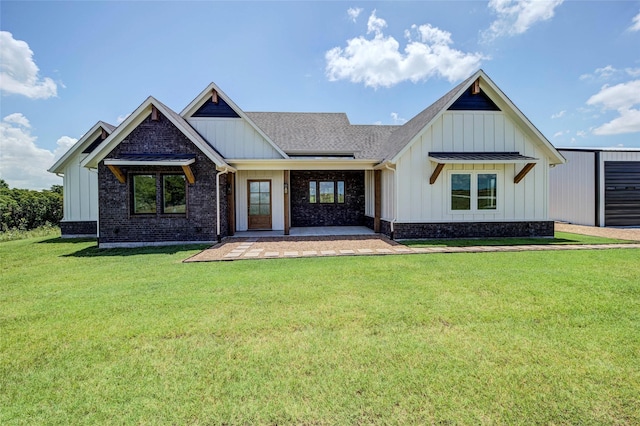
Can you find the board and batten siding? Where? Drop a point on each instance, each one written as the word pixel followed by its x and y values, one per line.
pixel 80 197
pixel 388 195
pixel 478 131
pixel 277 197
pixel 572 191
pixel 369 193
pixel 233 137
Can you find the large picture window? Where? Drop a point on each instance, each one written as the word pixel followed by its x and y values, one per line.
pixel 474 191
pixel 326 192
pixel 144 194
pixel 145 199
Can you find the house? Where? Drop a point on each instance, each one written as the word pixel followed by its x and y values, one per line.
pixel 597 187
pixel 470 165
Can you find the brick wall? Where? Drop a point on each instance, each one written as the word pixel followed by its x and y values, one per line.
pixel 118 225
pixel 78 228
pixel 349 213
pixel 468 229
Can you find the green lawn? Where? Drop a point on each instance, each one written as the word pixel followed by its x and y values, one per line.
pixel 137 337
pixel 560 238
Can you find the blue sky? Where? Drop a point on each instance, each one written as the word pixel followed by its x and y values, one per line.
pixel 572 67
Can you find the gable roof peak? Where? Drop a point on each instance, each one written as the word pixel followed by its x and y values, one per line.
pixel 137 117
pixel 83 143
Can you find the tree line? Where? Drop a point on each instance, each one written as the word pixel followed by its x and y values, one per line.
pixel 26 209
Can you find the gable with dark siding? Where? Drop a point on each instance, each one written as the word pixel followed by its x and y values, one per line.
pixel 470 102
pixel 218 110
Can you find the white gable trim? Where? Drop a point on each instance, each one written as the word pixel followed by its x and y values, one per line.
pixel 135 119
pixel 206 93
pixel 86 140
pixel 485 83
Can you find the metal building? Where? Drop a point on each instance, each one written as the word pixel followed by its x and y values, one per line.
pixel 597 187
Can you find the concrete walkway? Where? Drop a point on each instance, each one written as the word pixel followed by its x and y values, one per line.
pixel 278 247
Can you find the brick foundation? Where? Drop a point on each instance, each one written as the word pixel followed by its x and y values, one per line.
pixel 468 229
pixel 74 229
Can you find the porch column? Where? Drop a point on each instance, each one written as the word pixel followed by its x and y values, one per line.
pixel 377 190
pixel 287 189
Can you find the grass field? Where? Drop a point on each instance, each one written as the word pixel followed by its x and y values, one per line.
pixel 560 238
pixel 93 336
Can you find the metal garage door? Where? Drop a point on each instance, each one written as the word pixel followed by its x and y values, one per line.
pixel 622 193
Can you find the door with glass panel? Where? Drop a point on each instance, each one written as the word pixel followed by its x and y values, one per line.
pixel 259 204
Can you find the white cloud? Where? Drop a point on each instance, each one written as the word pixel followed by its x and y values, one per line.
pixel 632 72
pixel 621 98
pixel 397 119
pixel 62 146
pixel 379 62
pixel 375 24
pixel 354 12
pixel 516 17
pixel 22 163
pixel 18 119
pixel 559 114
pixel 581 133
pixel 635 26
pixel 18 71
pixel 558 134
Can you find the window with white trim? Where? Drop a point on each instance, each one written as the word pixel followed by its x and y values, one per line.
pixel 473 191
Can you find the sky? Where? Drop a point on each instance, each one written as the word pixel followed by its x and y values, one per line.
pixel 572 67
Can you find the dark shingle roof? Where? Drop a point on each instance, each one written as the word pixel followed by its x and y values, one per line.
pixel 321 133
pixel 332 133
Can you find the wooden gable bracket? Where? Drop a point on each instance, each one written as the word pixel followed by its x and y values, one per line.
pixel 117 173
pixel 436 173
pixel 103 135
pixel 526 169
pixel 189 174
pixel 475 88
pixel 154 113
pixel 214 97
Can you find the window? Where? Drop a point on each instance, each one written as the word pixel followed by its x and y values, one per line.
pixel 487 191
pixel 328 192
pixel 145 199
pixel 144 194
pixel 174 194
pixel 460 192
pixel 340 191
pixel 474 191
pixel 312 192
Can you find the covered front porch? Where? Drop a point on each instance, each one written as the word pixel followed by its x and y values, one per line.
pixel 310 198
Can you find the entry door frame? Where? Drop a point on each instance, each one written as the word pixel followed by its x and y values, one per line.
pixel 264 222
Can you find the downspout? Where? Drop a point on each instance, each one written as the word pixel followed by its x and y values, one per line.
pixel 223 172
pixel 393 221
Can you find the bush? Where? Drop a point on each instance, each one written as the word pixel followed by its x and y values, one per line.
pixel 25 209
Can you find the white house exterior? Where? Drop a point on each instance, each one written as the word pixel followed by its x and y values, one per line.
pixel 80 196
pixel 597 187
pixel 469 165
